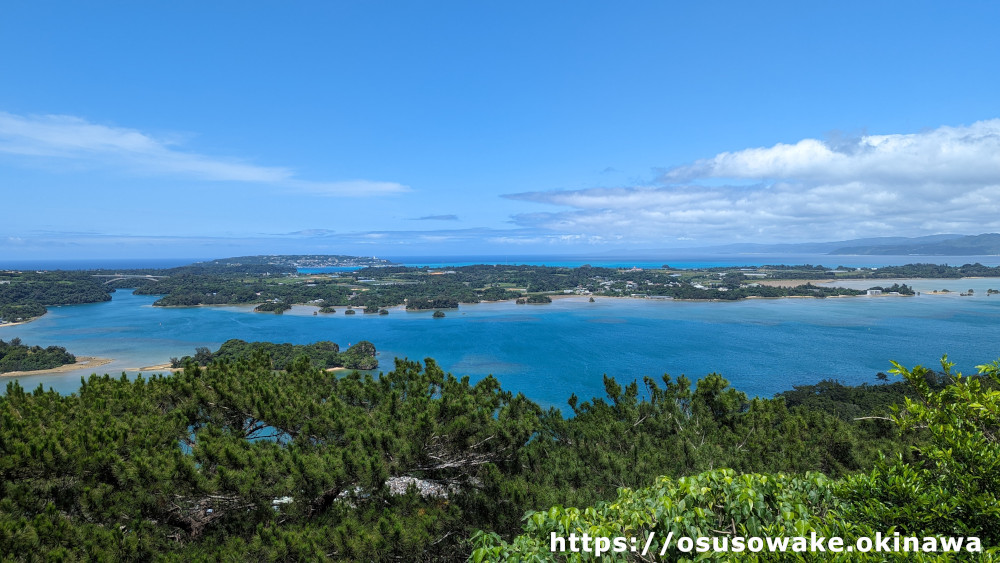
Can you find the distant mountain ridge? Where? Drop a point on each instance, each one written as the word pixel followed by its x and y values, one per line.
pixel 832 247
pixel 987 244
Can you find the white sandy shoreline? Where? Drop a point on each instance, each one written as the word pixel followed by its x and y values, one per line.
pixel 82 362
pixel 22 322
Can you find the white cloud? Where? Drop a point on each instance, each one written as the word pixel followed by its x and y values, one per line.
pixel 942 180
pixel 72 138
pixel 948 155
pixel 547 239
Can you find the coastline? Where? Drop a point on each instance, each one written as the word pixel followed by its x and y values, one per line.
pixel 303 309
pixel 23 322
pixel 167 368
pixel 159 367
pixel 81 363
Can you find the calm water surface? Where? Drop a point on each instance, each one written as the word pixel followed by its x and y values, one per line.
pixel 550 351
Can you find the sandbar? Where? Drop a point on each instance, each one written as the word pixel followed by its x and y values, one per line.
pixel 81 363
pixel 19 322
pixel 160 367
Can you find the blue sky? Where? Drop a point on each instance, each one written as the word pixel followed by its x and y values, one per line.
pixel 208 129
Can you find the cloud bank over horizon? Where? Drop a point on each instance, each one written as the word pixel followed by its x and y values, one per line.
pixel 71 138
pixel 941 180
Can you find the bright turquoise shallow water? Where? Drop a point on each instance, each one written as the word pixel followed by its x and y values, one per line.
pixel 550 351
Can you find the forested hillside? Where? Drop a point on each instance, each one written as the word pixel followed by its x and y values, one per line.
pixel 25 295
pixel 950 490
pixel 237 461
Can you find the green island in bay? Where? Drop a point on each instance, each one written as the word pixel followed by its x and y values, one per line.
pixel 16 357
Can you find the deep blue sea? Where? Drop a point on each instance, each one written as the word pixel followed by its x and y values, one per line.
pixel 762 346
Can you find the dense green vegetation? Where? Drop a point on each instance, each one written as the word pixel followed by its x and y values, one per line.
pixel 432 303
pixel 322 354
pixel 273 283
pixel 901 289
pixel 15 313
pixel 951 489
pixel 375 288
pixel 15 356
pixel 272 307
pixel 235 460
pixel 262 265
pixel 190 289
pixel 929 271
pixel 24 295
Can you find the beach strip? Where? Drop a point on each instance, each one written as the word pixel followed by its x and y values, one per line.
pixel 82 362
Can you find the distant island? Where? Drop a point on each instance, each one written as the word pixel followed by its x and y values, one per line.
pixel 987 244
pixel 978 245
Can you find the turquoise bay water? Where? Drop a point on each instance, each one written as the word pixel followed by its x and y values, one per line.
pixel 762 346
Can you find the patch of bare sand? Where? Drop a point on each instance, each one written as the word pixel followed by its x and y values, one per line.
pixel 81 363
pixel 19 322
pixel 160 367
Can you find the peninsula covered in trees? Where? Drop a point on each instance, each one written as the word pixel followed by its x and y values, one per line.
pixel 986 243
pixel 15 356
pixel 25 295
pixel 323 355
